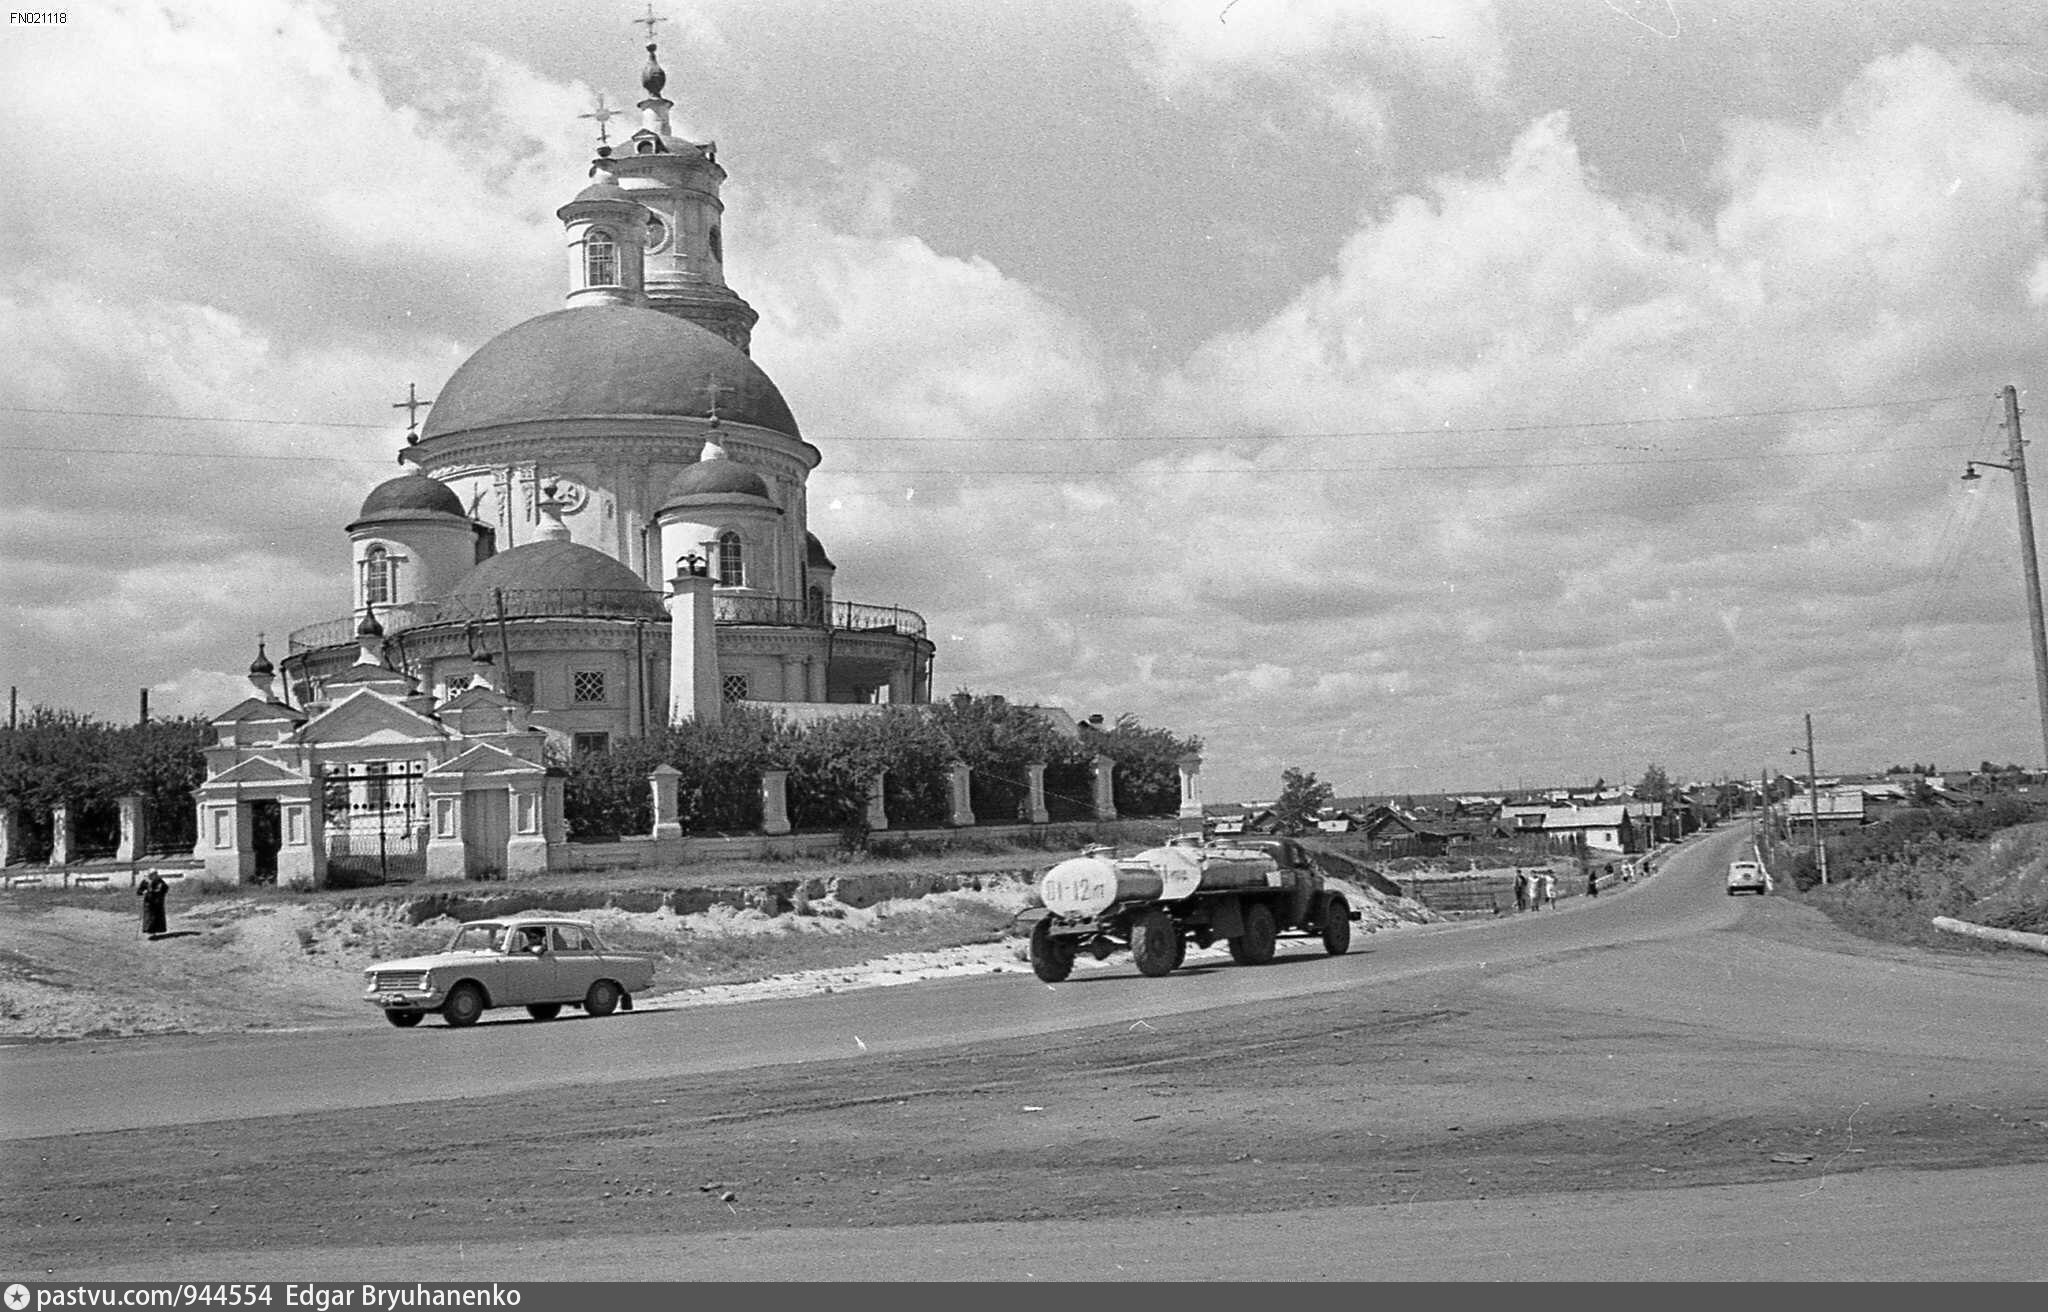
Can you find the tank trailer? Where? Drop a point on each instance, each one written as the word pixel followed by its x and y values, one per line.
pixel 1246 893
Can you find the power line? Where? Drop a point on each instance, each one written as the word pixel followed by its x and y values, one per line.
pixel 185 419
pixel 1440 430
pixel 1069 472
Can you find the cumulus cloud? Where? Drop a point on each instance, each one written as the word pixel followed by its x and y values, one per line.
pixel 1338 54
pixel 1882 253
pixel 1528 462
pixel 206 326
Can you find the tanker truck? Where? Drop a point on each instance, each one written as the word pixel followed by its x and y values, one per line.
pixel 1246 892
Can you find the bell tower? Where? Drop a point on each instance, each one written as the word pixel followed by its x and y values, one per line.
pixel 678 181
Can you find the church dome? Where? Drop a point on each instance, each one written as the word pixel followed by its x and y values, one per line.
pixel 606 362
pixel 814 553
pixel 410 496
pixel 567 568
pixel 716 478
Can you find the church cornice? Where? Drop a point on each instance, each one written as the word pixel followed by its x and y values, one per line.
pixel 600 439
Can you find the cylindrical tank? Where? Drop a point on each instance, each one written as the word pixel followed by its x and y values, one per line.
pixel 1086 886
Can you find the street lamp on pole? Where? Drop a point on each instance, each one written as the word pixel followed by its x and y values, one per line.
pixel 2015 463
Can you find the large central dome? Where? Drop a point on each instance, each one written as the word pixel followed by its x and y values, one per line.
pixel 606 362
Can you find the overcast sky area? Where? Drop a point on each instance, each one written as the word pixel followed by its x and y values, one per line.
pixel 1431 395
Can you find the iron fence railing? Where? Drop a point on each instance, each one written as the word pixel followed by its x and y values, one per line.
pixel 609 603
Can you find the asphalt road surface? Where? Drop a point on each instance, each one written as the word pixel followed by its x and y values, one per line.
pixel 1662 1083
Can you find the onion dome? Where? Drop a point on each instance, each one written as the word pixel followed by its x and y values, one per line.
pixel 410 496
pixel 606 362
pixel 554 573
pixel 814 553
pixel 261 668
pixel 369 627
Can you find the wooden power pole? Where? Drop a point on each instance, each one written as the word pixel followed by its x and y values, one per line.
pixel 2030 562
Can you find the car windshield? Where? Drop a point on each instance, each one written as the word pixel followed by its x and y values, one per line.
pixel 480 936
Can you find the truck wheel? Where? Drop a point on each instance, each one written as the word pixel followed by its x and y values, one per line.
pixel 1180 950
pixel 1254 947
pixel 1155 943
pixel 1336 926
pixel 1052 959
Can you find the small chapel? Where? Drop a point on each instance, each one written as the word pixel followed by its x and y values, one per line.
pixel 602 529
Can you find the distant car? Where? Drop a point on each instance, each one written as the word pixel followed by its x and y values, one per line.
pixel 1748 877
pixel 541 963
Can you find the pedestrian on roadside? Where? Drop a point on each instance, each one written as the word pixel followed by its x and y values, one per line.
pixel 153 889
pixel 1592 883
pixel 1521 890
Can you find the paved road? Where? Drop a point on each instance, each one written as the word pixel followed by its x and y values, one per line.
pixel 140 1082
pixel 1760 978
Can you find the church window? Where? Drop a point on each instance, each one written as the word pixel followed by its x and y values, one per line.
pixel 735 687
pixel 380 577
pixel 459 685
pixel 583 744
pixel 814 610
pixel 586 686
pixel 600 259
pixel 522 687
pixel 731 560
pixel 717 246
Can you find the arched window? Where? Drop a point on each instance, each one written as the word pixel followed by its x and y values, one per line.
pixel 380 577
pixel 732 570
pixel 815 611
pixel 600 259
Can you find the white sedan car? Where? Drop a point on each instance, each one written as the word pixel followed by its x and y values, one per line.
pixel 1748 877
pixel 541 963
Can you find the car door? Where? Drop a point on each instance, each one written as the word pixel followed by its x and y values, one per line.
pixel 524 974
pixel 577 962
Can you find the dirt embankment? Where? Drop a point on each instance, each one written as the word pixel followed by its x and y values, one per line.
pixel 81 968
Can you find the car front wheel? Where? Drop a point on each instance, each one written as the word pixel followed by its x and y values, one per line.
pixel 465 1004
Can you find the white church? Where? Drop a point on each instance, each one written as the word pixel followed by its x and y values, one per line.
pixel 603 531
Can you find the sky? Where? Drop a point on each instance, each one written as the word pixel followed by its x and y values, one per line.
pixel 1431 395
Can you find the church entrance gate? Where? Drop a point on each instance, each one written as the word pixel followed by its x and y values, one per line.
pixel 486 831
pixel 266 836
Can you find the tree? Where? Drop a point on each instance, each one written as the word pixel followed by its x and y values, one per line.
pixel 1655 785
pixel 1301 797
pixel 1147 764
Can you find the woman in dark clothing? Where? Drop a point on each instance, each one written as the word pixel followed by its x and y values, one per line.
pixel 153 890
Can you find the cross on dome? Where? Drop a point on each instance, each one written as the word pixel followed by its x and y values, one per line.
pixel 602 114
pixel 714 389
pixel 412 405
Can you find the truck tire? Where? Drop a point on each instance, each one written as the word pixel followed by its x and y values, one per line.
pixel 1254 947
pixel 1336 926
pixel 1052 959
pixel 1155 943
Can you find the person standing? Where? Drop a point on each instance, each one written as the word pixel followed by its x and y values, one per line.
pixel 152 889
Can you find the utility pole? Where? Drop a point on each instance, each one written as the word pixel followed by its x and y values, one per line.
pixel 2016 465
pixel 1813 795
